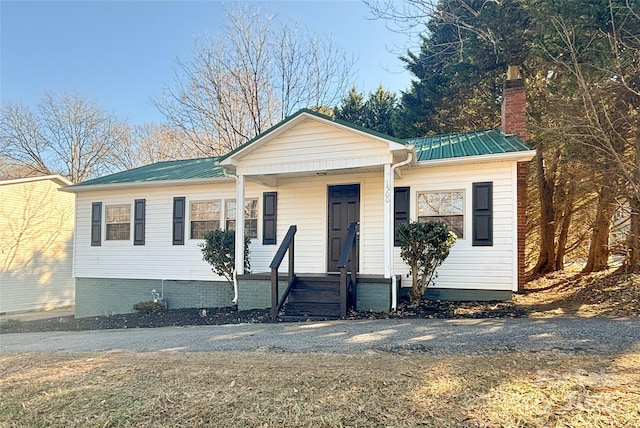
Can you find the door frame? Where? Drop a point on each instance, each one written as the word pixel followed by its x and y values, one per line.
pixel 327 245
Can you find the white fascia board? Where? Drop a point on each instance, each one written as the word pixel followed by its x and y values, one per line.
pixel 145 184
pixel 511 156
pixel 55 177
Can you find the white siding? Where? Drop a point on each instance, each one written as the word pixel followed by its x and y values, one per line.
pixel 469 267
pixel 36 229
pixel 303 201
pixel 315 146
pixel 158 258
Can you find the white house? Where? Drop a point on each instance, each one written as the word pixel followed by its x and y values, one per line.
pixel 36 244
pixel 140 230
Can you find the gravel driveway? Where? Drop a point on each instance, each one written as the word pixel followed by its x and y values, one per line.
pixel 486 336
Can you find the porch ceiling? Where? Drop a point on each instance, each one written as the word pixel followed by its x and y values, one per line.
pixel 271 180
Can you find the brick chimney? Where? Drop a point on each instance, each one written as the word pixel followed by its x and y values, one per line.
pixel 514 121
pixel 514 104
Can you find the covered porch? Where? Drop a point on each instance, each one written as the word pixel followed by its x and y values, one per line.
pixel 335 183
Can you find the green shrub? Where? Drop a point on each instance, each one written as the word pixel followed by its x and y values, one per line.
pixel 148 307
pixel 11 325
pixel 218 249
pixel 424 246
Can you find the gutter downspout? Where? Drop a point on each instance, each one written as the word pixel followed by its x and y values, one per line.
pixel 235 279
pixel 394 288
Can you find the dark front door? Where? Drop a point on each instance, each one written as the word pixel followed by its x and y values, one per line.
pixel 344 208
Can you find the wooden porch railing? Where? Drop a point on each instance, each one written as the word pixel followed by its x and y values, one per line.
pixel 287 245
pixel 347 263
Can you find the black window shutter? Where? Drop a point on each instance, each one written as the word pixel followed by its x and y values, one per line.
pixel 401 210
pixel 178 220
pixel 269 215
pixel 138 222
pixel 482 214
pixel 96 224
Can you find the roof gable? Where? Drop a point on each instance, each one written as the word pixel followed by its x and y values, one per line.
pixel 311 142
pixel 296 119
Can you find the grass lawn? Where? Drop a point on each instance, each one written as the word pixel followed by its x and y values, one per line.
pixel 113 389
pixel 274 389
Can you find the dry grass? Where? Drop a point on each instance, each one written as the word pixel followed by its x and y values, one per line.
pixel 545 389
pixel 120 389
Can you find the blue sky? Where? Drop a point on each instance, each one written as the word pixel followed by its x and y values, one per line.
pixel 120 54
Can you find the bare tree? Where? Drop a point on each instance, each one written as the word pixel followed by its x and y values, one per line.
pixel 10 170
pixel 249 76
pixel 157 143
pixel 65 134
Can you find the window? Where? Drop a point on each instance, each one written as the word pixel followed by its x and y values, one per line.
pixel 118 221
pixel 446 207
pixel 250 217
pixel 205 216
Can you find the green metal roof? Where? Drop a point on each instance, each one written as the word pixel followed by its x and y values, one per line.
pixel 437 147
pixel 460 145
pixel 162 171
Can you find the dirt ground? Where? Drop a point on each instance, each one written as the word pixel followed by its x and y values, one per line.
pixel 559 294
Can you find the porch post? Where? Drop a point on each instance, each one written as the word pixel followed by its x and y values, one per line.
pixel 239 244
pixel 388 221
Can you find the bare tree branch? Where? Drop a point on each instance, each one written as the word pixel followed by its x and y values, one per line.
pixel 247 78
pixel 66 134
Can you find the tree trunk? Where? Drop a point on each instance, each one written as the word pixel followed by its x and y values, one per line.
pixel 632 259
pixel 567 211
pixel 598 258
pixel 546 257
pixel 415 294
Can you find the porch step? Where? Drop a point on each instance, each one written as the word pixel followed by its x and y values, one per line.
pixel 315 291
pixel 312 310
pixel 314 297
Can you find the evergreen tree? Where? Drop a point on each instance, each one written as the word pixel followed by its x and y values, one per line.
pixel 459 68
pixel 580 61
pixel 378 112
pixel 351 108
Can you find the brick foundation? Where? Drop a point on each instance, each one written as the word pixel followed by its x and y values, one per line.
pixel 108 296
